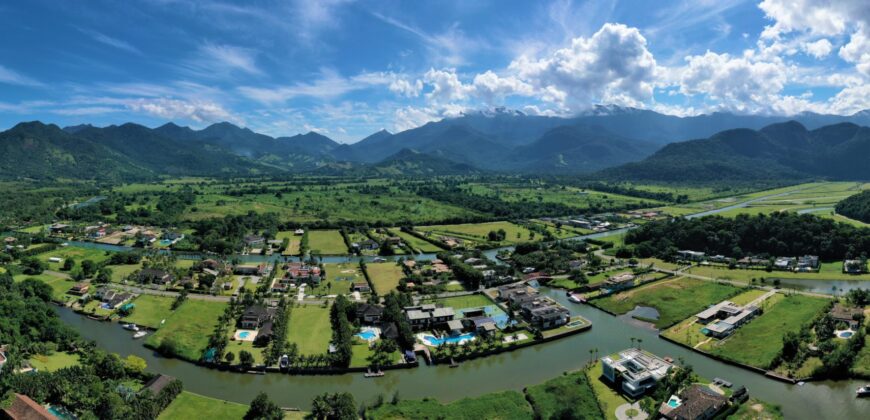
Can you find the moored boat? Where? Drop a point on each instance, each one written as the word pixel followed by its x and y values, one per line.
pixel 864 391
pixel 140 334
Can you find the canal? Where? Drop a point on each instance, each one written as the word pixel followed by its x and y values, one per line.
pixel 513 370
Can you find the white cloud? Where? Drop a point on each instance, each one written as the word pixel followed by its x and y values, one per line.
pixel 224 58
pixel 449 47
pixel 329 85
pixel 819 49
pixel 857 51
pixel 818 17
pixel 612 62
pixel 110 41
pixel 446 86
pixel 406 88
pixel 11 77
pixel 174 109
pixel 490 88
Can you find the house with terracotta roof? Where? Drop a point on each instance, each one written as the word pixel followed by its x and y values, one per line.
pixel 24 408
pixel 697 402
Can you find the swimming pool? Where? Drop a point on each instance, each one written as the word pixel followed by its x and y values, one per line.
pixel 165 242
pixel 244 334
pixel 674 402
pixel 845 334
pixel 367 335
pixel 432 341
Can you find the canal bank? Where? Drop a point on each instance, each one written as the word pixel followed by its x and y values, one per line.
pixel 512 370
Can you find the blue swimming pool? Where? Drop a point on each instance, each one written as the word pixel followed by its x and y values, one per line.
pixel 367 335
pixel 457 339
pixel 165 242
pixel 846 334
pixel 244 334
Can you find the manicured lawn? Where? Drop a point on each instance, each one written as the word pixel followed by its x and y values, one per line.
pixel 500 406
pixel 759 341
pixel 674 300
pixel 757 410
pixel 293 244
pixel 385 276
pixel 76 253
pixel 190 326
pixel 571 393
pixel 310 329
pixel 58 360
pixel 607 397
pixel 861 366
pixel 462 302
pixel 417 243
pixel 479 231
pixel 237 346
pixel 150 310
pixel 326 242
pixel 829 271
pixel 188 405
pixel 120 272
pixel 341 276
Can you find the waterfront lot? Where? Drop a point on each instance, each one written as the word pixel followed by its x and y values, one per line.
pixel 293 242
pixel 150 310
pixel 568 393
pixel 385 276
pixel 326 242
pixel 416 243
pixel 58 360
pixel 342 275
pixel 688 331
pixel 758 342
pixel 310 329
pixel 188 405
pixel 189 327
pixel 580 199
pixel 79 254
pixel 829 271
pixel 674 299
pixel 608 399
pixel 59 286
pixel 477 232
pixel 463 302
pixel 502 405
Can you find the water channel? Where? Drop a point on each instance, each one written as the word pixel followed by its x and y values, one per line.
pixel 513 370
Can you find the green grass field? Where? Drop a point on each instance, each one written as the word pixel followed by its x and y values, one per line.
pixel 688 331
pixel 326 242
pixel 754 409
pixel 571 392
pixel 478 232
pixel 828 271
pixel 190 326
pixel 59 286
pixel 759 341
pixel 310 329
pixel 385 276
pixel 120 272
pixel 294 242
pixel 188 405
pixel 607 397
pixel 150 310
pixel 580 199
pixel 461 302
pixel 506 405
pixel 674 299
pixel 58 360
pixel 416 243
pixel 77 253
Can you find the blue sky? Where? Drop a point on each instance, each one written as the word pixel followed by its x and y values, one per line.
pixel 348 68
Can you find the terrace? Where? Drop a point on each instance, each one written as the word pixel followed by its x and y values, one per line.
pixel 635 370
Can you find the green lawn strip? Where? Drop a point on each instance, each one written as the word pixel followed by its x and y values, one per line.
pixel 861 366
pixel 58 360
pixel 828 271
pixel 385 276
pixel 326 242
pixel 293 242
pixel 188 405
pixel 417 243
pixel 79 254
pixel 120 272
pixel 479 231
pixel 149 310
pixel 570 393
pixel 608 398
pixel 310 329
pixel 190 326
pixel 675 300
pixel 498 406
pixel 463 302
pixel 248 346
pixel 758 342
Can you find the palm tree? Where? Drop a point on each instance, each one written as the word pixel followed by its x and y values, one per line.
pixel 638 342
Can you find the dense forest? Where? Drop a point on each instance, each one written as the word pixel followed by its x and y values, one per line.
pixel 778 234
pixel 856 207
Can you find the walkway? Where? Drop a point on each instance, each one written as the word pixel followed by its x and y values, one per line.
pixel 622 412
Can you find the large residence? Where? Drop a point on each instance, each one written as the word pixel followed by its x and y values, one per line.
pixel 634 371
pixel 297 272
pixel 724 317
pixel 854 266
pixel 153 275
pixel 369 314
pixel 21 407
pixel 850 316
pixel 257 317
pixel 428 316
pixel 540 311
pixel 619 282
pixel 251 269
pixel 697 402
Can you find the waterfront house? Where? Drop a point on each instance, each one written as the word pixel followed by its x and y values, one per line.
pixel 156 384
pixel 153 275
pixel 851 316
pixel 360 286
pixel 255 316
pixel 254 241
pixel 455 327
pixel 428 315
pixel 784 263
pixel 545 313
pixel 619 282
pixel 854 266
pixel 24 408
pixel 249 269
pixel 80 289
pixel 368 313
pixel 634 371
pixel 58 228
pixel 807 263
pixel 724 317
pixel 697 402
pixel 689 255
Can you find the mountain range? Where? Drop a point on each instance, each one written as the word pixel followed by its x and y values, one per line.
pixel 621 143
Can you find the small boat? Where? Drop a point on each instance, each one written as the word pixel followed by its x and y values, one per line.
pixel 453 363
pixel 140 334
pixel 371 374
pixel 577 298
pixel 864 391
pixel 284 363
pixel 131 327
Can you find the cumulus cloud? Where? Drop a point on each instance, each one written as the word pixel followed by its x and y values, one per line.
pixel 174 109
pixel 490 88
pixel 737 83
pixel 857 51
pixel 614 61
pixel 406 88
pixel 446 86
pixel 819 49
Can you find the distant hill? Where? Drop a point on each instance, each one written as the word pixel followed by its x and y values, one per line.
pixel 34 150
pixel 779 151
pixel 856 207
pixel 411 163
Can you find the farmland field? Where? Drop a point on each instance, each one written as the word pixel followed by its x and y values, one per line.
pixel 674 299
pixel 310 329
pixel 326 242
pixel 385 276
pixel 77 253
pixel 758 342
pixel 189 326
pixel 418 244
pixel 477 232
pixel 581 199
